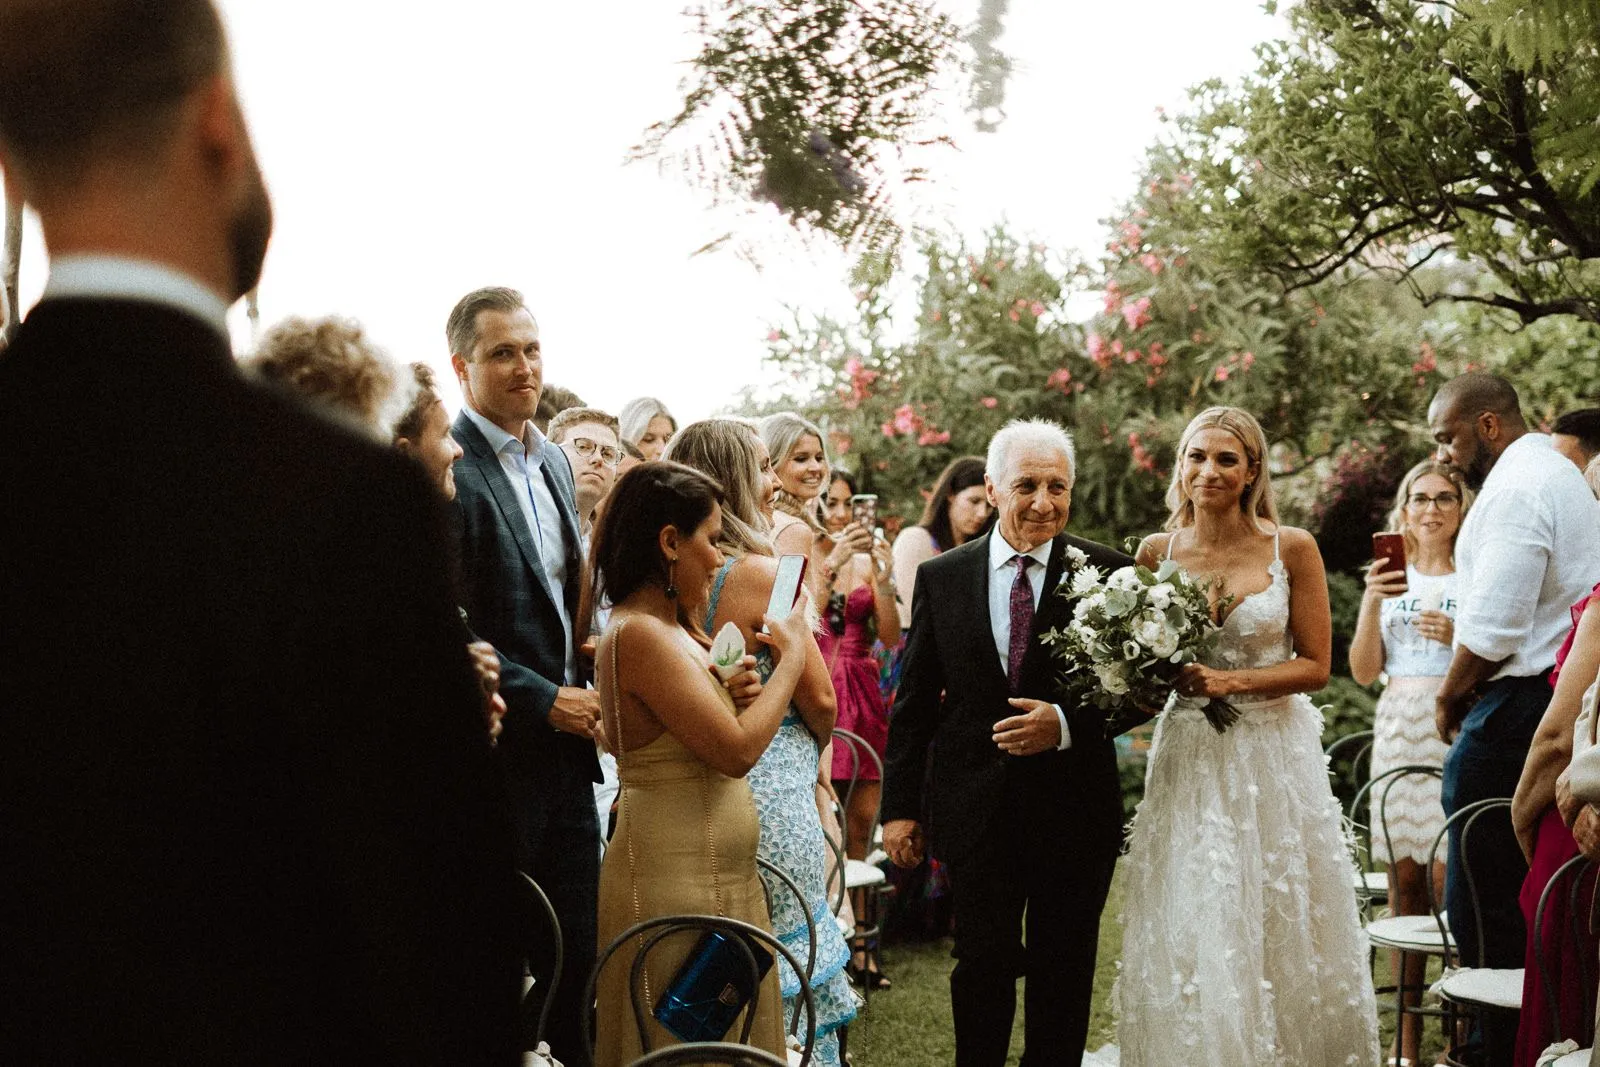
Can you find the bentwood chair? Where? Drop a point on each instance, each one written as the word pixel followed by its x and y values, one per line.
pixel 1350 763
pixel 865 877
pixel 1572 877
pixel 702 1052
pixel 537 916
pixel 811 925
pixel 1372 885
pixel 1480 988
pixel 653 932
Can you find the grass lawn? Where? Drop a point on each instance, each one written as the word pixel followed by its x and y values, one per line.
pixel 909 1026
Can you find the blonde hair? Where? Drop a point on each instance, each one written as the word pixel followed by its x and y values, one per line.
pixel 1256 503
pixel 332 364
pixel 727 449
pixel 782 433
pixel 636 415
pixel 1397 515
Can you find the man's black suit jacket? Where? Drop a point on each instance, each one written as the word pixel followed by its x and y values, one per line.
pixel 250 811
pixel 510 603
pixel 953 690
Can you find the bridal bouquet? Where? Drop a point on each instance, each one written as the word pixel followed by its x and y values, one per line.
pixel 1132 631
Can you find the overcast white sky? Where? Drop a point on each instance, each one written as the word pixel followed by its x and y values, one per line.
pixel 415 153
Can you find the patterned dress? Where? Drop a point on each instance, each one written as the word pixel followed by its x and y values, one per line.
pixel 783 783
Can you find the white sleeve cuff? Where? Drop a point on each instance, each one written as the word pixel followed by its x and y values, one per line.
pixel 1066 735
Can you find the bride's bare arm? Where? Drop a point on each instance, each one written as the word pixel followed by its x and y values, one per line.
pixel 1310 625
pixel 1151 550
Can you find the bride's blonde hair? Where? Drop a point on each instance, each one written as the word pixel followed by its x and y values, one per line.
pixel 1256 502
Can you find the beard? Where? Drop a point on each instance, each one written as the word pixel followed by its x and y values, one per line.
pixel 1476 470
pixel 249 232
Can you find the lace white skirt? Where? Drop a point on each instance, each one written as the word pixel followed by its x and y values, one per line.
pixel 1241 943
pixel 1404 734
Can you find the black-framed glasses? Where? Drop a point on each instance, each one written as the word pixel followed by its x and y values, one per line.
pixel 585 447
pixel 1443 501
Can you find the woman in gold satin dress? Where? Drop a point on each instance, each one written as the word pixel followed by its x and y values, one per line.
pixel 686 832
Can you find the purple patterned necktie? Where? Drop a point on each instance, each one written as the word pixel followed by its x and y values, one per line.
pixel 1021 622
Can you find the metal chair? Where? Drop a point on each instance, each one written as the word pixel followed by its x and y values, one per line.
pixel 865 875
pixel 1372 886
pixel 535 905
pixel 1355 752
pixel 709 1052
pixel 1573 871
pixel 1475 988
pixel 652 932
pixel 811 926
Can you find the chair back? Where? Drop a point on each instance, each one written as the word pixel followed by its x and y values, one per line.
pixel 652 932
pixel 1573 873
pixel 539 915
pixel 1382 786
pixel 805 909
pixel 1466 817
pixel 861 756
pixel 709 1052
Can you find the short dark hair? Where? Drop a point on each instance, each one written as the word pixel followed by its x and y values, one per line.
pixel 461 328
pixel 1475 392
pixel 962 473
pixel 568 417
pixel 1584 424
pixel 626 555
pixel 839 474
pixel 87 79
pixel 553 400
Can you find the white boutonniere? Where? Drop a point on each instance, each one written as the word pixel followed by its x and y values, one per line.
pixel 1076 557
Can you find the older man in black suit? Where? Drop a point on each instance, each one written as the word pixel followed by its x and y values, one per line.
pixel 521 575
pixel 250 814
pixel 1025 804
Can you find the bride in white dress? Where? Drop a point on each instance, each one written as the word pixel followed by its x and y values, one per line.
pixel 1241 943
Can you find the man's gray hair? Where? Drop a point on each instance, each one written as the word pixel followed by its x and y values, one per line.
pixel 1029 435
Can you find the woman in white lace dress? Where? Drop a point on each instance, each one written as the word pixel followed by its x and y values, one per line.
pixel 1241 943
pixel 1404 631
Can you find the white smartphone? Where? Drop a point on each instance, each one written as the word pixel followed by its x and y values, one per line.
pixel 786 586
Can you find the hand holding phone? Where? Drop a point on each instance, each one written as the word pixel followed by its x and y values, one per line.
pixel 786 586
pixel 1389 550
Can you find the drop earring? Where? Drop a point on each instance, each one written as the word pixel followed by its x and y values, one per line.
pixel 672 581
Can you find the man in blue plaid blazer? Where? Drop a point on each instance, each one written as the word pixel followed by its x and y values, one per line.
pixel 521 571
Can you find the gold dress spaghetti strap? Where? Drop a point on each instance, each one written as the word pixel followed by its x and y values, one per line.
pixel 685 843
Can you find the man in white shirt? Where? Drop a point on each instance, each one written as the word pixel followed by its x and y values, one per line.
pixel 1528 550
pixel 521 571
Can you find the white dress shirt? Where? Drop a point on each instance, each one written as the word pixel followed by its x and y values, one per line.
pixel 90 277
pixel 523 462
pixel 1002 573
pixel 1528 550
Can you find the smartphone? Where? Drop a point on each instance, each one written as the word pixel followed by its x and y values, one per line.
pixel 1390 547
pixel 786 586
pixel 864 509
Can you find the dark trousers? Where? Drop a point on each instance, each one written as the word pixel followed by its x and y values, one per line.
pixel 560 841
pixel 1059 891
pixel 1485 762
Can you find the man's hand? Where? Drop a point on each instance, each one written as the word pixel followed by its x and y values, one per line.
pixel 575 711
pixel 1586 831
pixel 902 840
pixel 1037 730
pixel 1447 715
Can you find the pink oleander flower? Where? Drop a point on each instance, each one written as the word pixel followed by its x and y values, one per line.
pixel 1222 373
pixel 1132 355
pixel 934 437
pixel 1097 345
pixel 1137 314
pixel 1248 360
pixel 934 316
pixel 990 402
pixel 906 420
pixel 774 335
pixel 1036 309
pixel 1060 378
pixel 1151 262
pixel 1013 316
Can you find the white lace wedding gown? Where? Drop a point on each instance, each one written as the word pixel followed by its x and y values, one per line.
pixel 1241 944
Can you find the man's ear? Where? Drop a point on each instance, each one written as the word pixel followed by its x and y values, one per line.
pixel 989 492
pixel 1489 426
pixel 218 124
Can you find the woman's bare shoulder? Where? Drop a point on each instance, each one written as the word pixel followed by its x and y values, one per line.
pixel 796 538
pixel 1153 548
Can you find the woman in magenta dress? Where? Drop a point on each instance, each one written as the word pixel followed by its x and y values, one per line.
pixel 1547 844
pixel 861 606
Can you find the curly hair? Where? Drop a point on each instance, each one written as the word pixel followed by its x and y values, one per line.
pixel 420 394
pixel 332 364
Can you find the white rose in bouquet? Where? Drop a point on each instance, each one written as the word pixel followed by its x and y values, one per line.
pixel 1125 579
pixel 1086 581
pixel 1161 596
pixel 1111 678
pixel 1153 632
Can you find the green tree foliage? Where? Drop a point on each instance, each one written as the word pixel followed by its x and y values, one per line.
pixel 1385 134
pixel 806 104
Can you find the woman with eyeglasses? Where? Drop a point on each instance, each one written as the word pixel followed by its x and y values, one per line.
pixel 1405 631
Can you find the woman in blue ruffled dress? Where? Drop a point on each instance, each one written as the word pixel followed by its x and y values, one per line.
pixel 783 782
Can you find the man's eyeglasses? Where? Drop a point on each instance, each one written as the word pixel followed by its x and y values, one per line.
pixel 584 447
pixel 1442 501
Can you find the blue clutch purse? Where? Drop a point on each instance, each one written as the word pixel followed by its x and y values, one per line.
pixel 712 987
